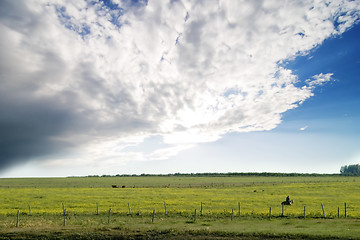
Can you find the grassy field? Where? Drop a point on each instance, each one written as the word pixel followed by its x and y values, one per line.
pixel 219 196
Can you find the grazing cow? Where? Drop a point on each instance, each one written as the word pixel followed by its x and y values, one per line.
pixel 114 186
pixel 123 186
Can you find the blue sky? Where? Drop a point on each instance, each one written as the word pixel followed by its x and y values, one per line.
pixel 338 99
pixel 126 87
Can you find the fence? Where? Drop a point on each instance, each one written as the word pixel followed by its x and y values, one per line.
pixel 231 213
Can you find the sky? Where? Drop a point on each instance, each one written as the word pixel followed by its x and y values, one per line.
pixel 131 87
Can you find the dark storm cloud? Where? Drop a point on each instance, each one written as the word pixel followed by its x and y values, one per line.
pixel 33 126
pixel 50 106
pixel 29 124
pixel 29 129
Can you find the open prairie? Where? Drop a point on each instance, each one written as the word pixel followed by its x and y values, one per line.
pixel 236 206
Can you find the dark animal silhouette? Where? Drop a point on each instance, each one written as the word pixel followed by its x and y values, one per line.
pixel 287 202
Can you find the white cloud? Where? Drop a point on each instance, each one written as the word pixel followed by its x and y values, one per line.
pixel 190 71
pixel 166 153
pixel 319 79
pixel 303 128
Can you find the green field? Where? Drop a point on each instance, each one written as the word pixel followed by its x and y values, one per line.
pixel 219 197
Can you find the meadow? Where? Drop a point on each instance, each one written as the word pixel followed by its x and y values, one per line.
pixel 216 200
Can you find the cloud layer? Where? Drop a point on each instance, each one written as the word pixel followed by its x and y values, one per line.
pixel 87 79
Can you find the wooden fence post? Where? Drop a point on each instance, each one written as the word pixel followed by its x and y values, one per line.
pixel 270 212
pixel 153 216
pixel 338 212
pixel 97 208
pixel 345 211
pixel 29 210
pixel 201 209
pixel 165 208
pixel 129 208
pixel 232 214
pixel 239 209
pixel 195 216
pixel 109 215
pixel 322 206
pixel 304 211
pixel 64 213
pixel 17 218
pixel 282 210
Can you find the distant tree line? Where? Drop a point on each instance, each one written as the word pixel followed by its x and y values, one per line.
pixel 231 174
pixel 350 170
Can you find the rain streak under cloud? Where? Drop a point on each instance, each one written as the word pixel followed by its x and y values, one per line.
pixel 83 80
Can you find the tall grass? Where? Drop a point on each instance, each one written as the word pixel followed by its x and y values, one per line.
pixel 255 196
